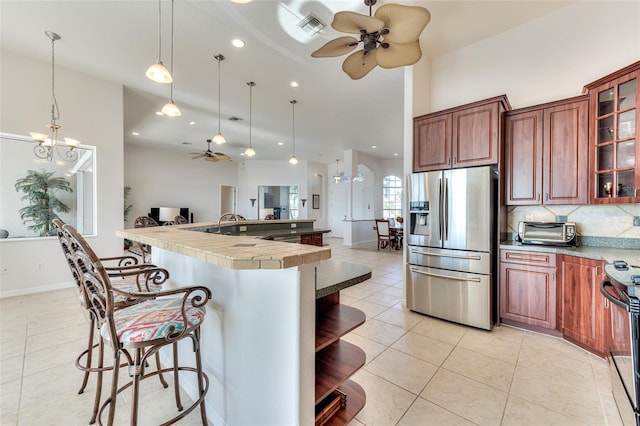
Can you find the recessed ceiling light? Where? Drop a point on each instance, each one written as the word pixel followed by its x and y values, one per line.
pixel 186 143
pixel 237 42
pixel 395 153
pixel 159 113
pixel 135 133
pixel 294 84
pixel 373 146
pixel 192 123
pixel 280 143
pixel 242 1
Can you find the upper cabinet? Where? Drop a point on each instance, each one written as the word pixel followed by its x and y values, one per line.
pixel 546 152
pixel 615 175
pixel 464 136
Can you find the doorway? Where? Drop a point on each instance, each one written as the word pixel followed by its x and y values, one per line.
pixel 228 197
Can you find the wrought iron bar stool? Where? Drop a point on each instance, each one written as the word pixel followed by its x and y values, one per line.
pixel 136 332
pixel 180 220
pixel 128 275
pixel 145 222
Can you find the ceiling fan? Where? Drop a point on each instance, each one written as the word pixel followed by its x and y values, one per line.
pixel 210 155
pixel 389 38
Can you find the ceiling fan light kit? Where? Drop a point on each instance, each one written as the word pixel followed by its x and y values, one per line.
pixel 390 38
pixel 158 72
pixel 219 139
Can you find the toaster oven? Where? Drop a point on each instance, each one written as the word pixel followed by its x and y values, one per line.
pixel 548 233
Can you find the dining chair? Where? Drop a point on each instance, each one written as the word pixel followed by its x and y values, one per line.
pixel 128 276
pixel 385 238
pixel 140 330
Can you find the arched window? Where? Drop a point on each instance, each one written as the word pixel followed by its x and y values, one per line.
pixel 391 197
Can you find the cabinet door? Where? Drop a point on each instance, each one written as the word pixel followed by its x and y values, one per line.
pixel 432 143
pixel 475 135
pixel 523 158
pixel 615 148
pixel 565 165
pixel 528 294
pixel 583 307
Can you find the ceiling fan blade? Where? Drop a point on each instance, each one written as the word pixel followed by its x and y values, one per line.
pixel 352 22
pixel 213 159
pixel 221 156
pixel 197 155
pixel 357 65
pixel 405 23
pixel 399 55
pixel 337 47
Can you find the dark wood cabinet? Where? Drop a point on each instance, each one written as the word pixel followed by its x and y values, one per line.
pixel 546 153
pixel 464 136
pixel 312 239
pixel 584 316
pixel 613 137
pixel 528 290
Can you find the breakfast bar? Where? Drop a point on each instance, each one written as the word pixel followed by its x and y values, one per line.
pixel 260 338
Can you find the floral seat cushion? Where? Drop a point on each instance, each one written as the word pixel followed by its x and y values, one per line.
pixel 153 319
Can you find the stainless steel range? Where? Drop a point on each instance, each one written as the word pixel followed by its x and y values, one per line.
pixel 623 291
pixel 452 245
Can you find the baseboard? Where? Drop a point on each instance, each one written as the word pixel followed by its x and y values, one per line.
pixel 32 290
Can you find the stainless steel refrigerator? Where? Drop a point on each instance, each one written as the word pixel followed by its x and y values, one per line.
pixel 452 245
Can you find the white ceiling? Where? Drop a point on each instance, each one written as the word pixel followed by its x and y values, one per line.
pixel 118 40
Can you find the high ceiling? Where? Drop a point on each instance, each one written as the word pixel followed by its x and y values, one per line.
pixel 118 40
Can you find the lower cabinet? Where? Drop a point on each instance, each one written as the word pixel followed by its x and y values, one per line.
pixel 558 295
pixel 585 316
pixel 528 289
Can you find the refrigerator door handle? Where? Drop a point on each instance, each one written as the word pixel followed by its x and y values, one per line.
pixel 440 208
pixel 448 277
pixel 445 210
pixel 453 256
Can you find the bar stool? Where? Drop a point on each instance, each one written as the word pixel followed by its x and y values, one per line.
pixel 138 331
pixel 180 220
pixel 145 222
pixel 128 276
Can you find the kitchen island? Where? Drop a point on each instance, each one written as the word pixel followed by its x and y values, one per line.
pixel 259 336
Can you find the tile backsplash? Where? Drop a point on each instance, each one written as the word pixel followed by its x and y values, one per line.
pixel 611 221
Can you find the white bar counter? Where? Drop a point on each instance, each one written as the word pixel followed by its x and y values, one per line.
pixel 258 338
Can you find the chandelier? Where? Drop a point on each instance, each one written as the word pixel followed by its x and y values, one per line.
pixel 47 142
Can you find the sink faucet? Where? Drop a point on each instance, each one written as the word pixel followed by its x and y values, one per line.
pixel 226 216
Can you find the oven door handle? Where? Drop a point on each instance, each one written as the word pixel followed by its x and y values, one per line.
pixel 615 300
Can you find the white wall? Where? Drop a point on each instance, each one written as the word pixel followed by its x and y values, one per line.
pixel 91 110
pixel 549 58
pixel 161 178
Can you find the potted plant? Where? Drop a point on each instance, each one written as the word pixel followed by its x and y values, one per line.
pixel 40 188
pixel 127 209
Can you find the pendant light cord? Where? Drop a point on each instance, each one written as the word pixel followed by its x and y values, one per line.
pixel 219 57
pixel 171 72
pixel 251 84
pixel 55 111
pixel 159 31
pixel 293 107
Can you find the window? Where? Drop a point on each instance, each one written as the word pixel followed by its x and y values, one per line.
pixel 391 197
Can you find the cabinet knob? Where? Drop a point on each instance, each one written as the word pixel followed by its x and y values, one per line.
pixel 538 197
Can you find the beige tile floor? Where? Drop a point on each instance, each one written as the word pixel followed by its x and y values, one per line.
pixel 419 370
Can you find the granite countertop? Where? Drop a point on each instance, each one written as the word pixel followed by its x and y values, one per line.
pixel 334 275
pixel 607 254
pixel 624 278
pixel 234 252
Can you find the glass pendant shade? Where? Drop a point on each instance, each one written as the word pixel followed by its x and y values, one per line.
pixel 171 109
pixel 293 160
pixel 250 152
pixel 159 73
pixel 71 142
pixel 219 139
pixel 38 137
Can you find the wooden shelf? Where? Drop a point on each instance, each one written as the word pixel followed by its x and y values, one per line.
pixel 335 364
pixel 335 321
pixel 356 398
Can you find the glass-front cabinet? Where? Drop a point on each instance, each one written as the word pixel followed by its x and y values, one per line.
pixel 615 174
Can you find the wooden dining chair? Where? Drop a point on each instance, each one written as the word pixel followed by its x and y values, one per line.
pixel 385 239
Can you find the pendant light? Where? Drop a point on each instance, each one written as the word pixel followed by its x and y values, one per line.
pixel 250 152
pixel 219 139
pixel 170 108
pixel 337 178
pixel 293 159
pixel 157 72
pixel 47 142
